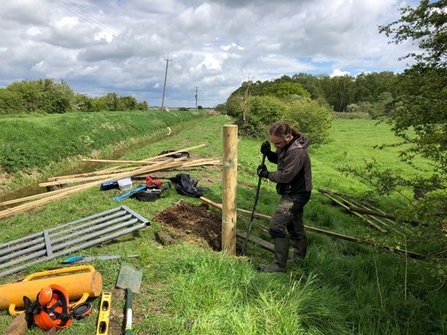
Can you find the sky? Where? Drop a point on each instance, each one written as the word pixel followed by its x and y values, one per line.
pixel 196 52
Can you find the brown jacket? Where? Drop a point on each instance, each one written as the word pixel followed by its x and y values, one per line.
pixel 294 173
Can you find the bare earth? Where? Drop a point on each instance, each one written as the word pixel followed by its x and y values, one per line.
pixel 193 223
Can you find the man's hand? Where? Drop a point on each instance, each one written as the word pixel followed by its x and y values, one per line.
pixel 262 171
pixel 265 148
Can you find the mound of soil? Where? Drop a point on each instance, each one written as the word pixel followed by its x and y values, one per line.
pixel 192 223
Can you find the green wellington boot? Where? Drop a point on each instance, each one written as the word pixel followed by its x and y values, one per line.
pixel 300 249
pixel 281 256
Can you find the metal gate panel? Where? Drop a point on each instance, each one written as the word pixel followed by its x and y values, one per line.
pixel 63 240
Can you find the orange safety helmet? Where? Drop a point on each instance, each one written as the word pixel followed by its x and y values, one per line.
pixel 53 310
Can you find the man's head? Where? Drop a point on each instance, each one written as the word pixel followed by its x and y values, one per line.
pixel 281 134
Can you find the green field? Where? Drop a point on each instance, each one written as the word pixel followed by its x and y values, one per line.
pixel 341 288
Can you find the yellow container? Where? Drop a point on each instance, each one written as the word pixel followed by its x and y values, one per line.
pixel 81 282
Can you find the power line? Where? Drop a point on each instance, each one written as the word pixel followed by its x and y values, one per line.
pixel 82 13
pixel 78 11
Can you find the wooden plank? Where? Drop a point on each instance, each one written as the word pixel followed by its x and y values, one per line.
pixel 263 243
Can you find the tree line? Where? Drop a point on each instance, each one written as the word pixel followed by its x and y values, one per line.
pixel 365 93
pixel 48 96
pixel 309 102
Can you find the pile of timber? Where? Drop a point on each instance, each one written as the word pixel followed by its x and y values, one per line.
pixel 123 169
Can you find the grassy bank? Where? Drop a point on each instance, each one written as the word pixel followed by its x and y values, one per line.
pixel 341 288
pixel 36 146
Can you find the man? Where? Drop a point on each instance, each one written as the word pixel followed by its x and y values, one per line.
pixel 293 180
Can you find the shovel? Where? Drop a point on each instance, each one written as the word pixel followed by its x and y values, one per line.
pixel 129 279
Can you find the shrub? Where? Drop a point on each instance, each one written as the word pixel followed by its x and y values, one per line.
pixel 258 114
pixel 310 118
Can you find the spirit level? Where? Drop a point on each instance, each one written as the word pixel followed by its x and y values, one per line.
pixel 104 313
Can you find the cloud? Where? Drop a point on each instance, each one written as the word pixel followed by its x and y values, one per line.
pixel 120 46
pixel 339 73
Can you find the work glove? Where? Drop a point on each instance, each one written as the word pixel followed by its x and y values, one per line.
pixel 262 171
pixel 265 148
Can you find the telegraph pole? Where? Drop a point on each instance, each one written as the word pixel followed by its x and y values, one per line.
pixel 164 85
pixel 196 96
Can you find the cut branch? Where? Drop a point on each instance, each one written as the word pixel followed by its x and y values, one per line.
pixel 329 233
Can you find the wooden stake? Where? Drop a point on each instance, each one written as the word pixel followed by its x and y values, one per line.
pixel 144 160
pixel 32 197
pixel 118 161
pixel 229 184
pixel 95 173
pixel 28 206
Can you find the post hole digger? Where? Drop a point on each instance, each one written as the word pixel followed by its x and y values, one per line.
pixel 244 248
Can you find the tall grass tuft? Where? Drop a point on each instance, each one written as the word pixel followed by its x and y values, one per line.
pixel 235 299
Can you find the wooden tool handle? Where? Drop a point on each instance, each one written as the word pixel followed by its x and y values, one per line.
pixel 18 326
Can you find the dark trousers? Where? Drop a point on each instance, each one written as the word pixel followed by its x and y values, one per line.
pixel 288 217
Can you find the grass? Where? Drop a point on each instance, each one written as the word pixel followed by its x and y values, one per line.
pixel 30 146
pixel 341 287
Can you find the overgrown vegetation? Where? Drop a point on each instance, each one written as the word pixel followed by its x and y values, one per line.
pixel 255 114
pixel 48 97
pixel 364 93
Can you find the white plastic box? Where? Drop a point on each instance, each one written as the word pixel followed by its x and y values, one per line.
pixel 125 184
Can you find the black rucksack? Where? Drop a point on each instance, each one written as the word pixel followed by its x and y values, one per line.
pixel 185 185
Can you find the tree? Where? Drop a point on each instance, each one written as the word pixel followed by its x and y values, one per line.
pixel 111 101
pixel 221 108
pixel 284 89
pixel 30 94
pixel 425 25
pixel 310 118
pixel 126 103
pixel 418 113
pixel 143 106
pixel 311 84
pixel 10 102
pixel 421 103
pixel 82 103
pixel 56 98
pixel 261 111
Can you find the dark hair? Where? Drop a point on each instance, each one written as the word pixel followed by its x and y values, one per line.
pixel 281 129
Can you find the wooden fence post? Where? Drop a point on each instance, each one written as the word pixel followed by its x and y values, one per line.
pixel 229 183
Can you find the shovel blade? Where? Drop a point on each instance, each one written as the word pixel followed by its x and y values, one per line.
pixel 129 277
